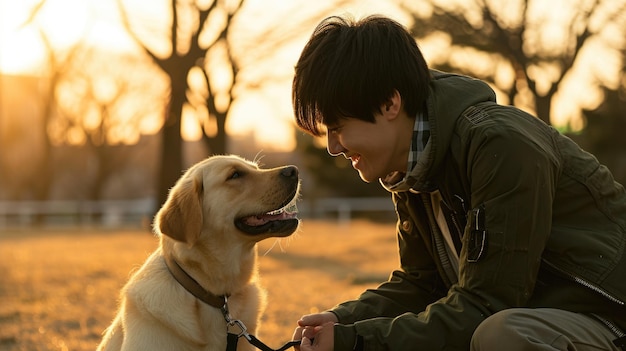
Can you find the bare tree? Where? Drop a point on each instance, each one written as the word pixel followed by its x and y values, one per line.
pixel 201 49
pixel 517 35
pixel 103 101
pixel 91 96
pixel 195 29
pixel 57 61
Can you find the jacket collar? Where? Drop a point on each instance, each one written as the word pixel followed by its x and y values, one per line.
pixel 415 180
pixel 449 95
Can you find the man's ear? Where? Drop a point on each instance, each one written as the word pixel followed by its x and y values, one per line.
pixel 392 107
pixel 180 218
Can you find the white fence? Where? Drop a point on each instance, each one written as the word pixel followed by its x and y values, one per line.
pixel 116 213
pixel 109 213
pixel 345 207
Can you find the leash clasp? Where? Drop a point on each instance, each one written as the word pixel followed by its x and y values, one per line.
pixel 242 327
pixel 230 322
pixel 243 331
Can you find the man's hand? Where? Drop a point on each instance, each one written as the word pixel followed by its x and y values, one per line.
pixel 316 332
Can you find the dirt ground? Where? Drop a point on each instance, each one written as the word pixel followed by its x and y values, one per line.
pixel 58 289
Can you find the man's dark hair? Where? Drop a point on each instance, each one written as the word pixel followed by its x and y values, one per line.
pixel 351 68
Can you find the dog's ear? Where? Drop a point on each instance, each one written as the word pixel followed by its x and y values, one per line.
pixel 181 216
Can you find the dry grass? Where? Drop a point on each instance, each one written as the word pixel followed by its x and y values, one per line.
pixel 59 289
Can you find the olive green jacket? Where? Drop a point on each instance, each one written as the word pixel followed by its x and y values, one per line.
pixel 538 223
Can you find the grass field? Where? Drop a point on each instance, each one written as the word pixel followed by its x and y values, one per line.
pixel 59 289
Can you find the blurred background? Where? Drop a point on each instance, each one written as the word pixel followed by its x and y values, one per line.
pixel 103 103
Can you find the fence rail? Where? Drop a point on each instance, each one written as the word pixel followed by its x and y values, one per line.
pixel 345 207
pixel 114 213
pixel 110 213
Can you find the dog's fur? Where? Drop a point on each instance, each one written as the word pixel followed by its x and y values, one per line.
pixel 198 227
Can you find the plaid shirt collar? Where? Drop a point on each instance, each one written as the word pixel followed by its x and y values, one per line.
pixel 421 133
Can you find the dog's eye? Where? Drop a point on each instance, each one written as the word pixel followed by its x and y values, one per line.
pixel 235 174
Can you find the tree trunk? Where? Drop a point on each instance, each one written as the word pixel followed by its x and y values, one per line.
pixel 543 104
pixel 171 146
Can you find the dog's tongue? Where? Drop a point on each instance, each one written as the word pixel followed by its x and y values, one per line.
pixel 262 219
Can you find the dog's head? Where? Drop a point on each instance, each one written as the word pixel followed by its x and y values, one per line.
pixel 227 194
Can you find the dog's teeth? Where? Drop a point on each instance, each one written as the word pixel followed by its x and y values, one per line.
pixel 276 212
pixel 291 207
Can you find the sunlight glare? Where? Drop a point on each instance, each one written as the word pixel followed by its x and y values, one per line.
pixel 152 123
pixel 92 119
pixel 210 126
pixel 254 115
pixel 75 136
pixel 65 21
pixel 190 128
pixel 219 68
pixel 21 49
pixel 20 52
pixel 278 137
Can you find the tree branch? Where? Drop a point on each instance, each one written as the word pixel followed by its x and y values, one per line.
pixel 133 35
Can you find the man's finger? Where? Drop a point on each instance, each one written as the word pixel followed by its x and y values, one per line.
pixel 309 332
pixel 306 342
pixel 297 333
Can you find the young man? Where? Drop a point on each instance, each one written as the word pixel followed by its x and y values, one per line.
pixel 510 236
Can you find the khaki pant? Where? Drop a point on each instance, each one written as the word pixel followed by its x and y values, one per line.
pixel 542 329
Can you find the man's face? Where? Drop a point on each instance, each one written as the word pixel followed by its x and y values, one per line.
pixel 370 146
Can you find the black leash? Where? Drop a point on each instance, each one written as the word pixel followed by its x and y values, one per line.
pixel 233 338
pixel 261 346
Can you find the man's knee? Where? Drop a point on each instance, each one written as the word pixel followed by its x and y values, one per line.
pixel 541 329
pixel 502 328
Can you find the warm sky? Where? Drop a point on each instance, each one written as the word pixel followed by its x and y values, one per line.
pixel 264 113
pixel 22 51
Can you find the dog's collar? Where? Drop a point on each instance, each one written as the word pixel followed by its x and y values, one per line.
pixel 191 285
pixel 220 302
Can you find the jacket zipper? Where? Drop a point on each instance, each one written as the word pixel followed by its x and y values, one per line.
pixel 459 233
pixel 450 274
pixel 586 284
pixel 617 331
pixel 453 218
pixel 614 329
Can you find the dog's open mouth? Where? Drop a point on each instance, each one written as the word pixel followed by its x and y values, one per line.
pixel 281 221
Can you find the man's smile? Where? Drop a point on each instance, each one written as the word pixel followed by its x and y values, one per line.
pixel 355 160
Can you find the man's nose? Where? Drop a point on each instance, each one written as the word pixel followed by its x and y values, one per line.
pixel 333 146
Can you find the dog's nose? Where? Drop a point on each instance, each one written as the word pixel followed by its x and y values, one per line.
pixel 289 172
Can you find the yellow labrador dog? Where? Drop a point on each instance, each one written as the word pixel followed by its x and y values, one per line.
pixel 208 228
